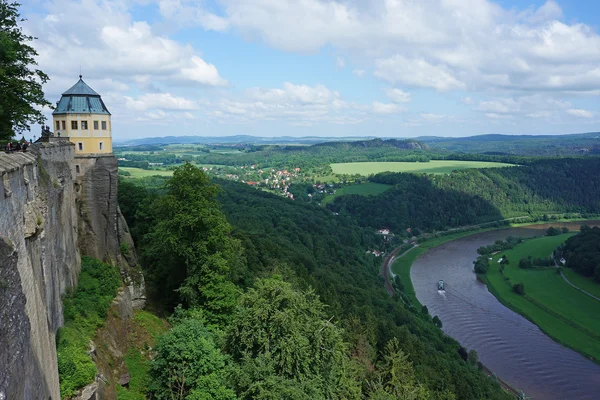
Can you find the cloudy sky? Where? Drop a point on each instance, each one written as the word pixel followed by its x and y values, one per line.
pixel 400 68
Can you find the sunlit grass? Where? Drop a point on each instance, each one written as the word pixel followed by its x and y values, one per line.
pixel 432 167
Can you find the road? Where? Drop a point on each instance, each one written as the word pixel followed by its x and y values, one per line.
pixel 387 264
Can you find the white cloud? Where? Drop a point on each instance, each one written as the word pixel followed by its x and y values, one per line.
pixel 440 44
pixel 190 13
pixel 398 96
pixel 533 106
pixel 386 108
pixel 506 64
pixel 432 117
pixel 202 72
pixel 112 44
pixel 298 105
pixel 580 113
pixel 164 101
pixel 539 114
pixel 416 72
pixel 497 116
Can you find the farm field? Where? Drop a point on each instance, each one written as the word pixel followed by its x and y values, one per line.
pixel 143 173
pixel 564 313
pixel 431 167
pixel 365 189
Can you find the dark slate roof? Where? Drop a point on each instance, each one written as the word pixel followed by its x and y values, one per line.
pixel 80 88
pixel 80 99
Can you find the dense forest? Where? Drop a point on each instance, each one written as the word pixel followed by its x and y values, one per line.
pixel 437 202
pixel 582 252
pixel 279 299
pixel 524 145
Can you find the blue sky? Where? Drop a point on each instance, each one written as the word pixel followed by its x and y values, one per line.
pixel 400 68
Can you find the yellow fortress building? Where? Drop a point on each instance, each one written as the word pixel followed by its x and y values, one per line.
pixel 81 116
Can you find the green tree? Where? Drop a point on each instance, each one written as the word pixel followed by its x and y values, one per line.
pixel 188 365
pixel 189 250
pixel 21 92
pixel 395 378
pixel 473 357
pixel 519 288
pixel 281 337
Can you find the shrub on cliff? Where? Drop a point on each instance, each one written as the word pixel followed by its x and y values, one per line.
pixel 85 309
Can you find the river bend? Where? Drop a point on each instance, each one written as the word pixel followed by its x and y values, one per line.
pixel 511 346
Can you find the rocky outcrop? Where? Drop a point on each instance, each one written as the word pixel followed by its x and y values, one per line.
pixel 103 232
pixel 39 260
pixel 111 346
pixel 53 207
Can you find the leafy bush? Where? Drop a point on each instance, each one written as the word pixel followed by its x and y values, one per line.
pixel 525 263
pixel 482 264
pixel 84 310
pixel 519 288
pixel 124 248
pixel 552 231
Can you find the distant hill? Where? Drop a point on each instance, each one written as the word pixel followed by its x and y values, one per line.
pixel 548 145
pixel 237 139
pixel 522 145
pixel 406 144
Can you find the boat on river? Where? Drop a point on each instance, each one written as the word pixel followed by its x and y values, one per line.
pixel 441 285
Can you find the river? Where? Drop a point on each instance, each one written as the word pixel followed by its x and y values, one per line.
pixel 508 344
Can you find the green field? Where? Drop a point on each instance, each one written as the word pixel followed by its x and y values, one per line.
pixel 365 189
pixel 587 284
pixel 143 173
pixel 432 167
pixel 561 311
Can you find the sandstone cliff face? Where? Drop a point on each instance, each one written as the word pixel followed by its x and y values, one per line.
pixel 53 207
pixel 102 228
pixel 39 260
pixel 103 232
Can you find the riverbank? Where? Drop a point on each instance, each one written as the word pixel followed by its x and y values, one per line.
pixel 567 315
pixel 401 265
pixel 512 347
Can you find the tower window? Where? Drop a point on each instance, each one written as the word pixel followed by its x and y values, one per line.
pixel 64 125
pixel 84 125
pixel 73 124
pixel 58 125
pixel 100 146
pixel 95 125
pixel 103 125
pixel 77 168
pixel 80 146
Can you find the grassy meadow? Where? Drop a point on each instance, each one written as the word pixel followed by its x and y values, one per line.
pixel 587 284
pixel 431 167
pixel 144 173
pixel 564 313
pixel 364 189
